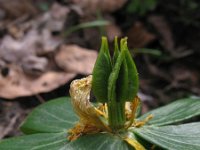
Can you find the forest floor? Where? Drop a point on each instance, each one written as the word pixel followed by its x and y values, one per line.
pixel 44 45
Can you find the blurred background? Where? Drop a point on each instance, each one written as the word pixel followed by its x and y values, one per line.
pixel 45 44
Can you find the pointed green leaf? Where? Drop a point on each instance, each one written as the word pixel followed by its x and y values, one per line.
pixel 123 41
pixel 114 76
pixel 122 83
pixel 180 137
pixel 133 83
pixel 175 112
pixel 116 50
pixel 101 72
pixel 116 111
pixel 54 116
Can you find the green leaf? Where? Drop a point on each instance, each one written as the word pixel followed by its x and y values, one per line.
pixel 180 137
pixel 122 81
pixel 54 116
pixel 116 50
pixel 154 52
pixel 96 23
pixel 124 78
pixel 58 141
pixel 133 83
pixel 101 73
pixel 43 141
pixel 101 141
pixel 114 76
pixel 175 112
pixel 116 109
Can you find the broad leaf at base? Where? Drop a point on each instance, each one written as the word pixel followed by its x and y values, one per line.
pixel 54 116
pixel 48 124
pixel 40 141
pixel 180 137
pixel 58 141
pixel 174 112
pixel 47 128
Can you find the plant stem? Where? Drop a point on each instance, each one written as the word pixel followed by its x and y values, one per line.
pixel 116 115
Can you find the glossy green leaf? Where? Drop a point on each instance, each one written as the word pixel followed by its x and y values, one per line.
pixel 101 73
pixel 175 112
pixel 180 137
pixel 54 116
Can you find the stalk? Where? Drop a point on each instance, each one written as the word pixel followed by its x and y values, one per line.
pixel 116 115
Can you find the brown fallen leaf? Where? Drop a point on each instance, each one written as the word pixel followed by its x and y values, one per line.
pixel 75 59
pixel 91 6
pixel 18 8
pixel 17 84
pixel 33 37
pixel 24 52
pixel 138 36
pixel 33 43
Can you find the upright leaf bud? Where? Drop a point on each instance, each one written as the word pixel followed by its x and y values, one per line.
pixel 115 81
pixel 101 72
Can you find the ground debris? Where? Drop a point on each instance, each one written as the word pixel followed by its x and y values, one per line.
pixel 18 84
pixel 73 58
pixel 91 6
pixel 138 36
